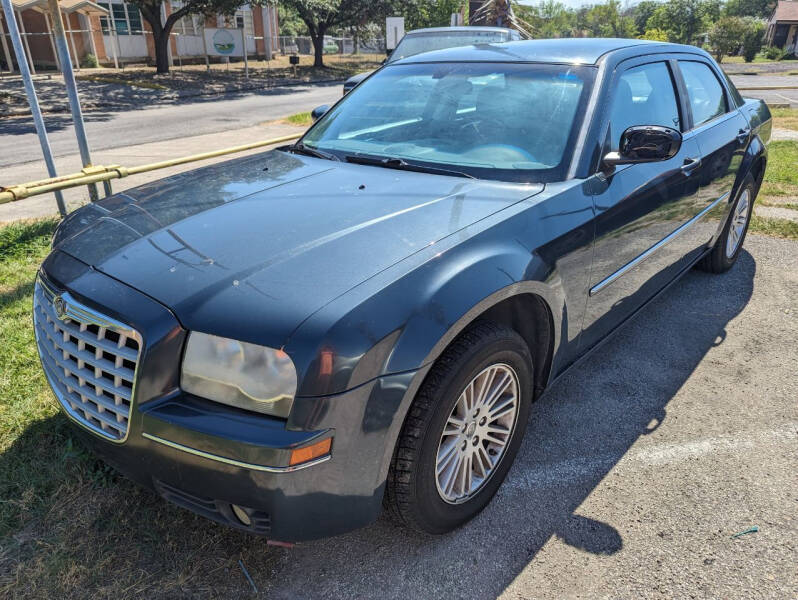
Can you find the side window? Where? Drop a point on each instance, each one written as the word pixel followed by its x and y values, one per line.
pixel 644 95
pixel 704 92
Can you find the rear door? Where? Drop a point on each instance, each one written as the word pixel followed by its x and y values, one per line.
pixel 639 207
pixel 722 134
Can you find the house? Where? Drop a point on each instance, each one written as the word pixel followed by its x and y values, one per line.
pixel 782 28
pixel 115 32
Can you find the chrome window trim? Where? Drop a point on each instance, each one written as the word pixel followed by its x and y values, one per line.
pixel 710 124
pixel 234 462
pixel 658 246
pixel 78 311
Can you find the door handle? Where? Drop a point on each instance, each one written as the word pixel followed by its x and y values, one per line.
pixel 689 165
pixel 743 135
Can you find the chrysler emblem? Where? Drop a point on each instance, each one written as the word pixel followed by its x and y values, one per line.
pixel 60 307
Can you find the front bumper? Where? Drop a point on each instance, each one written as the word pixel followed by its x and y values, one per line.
pixel 206 457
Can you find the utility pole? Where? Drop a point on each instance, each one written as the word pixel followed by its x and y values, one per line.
pixel 72 90
pixel 33 101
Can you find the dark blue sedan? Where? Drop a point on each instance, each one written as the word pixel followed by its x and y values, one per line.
pixel 287 342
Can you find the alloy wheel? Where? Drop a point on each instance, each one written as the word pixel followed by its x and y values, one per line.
pixel 739 220
pixel 477 433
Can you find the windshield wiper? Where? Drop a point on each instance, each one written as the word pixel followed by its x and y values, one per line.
pixel 402 165
pixel 301 148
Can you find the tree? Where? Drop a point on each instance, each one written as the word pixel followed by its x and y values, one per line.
pixel 752 38
pixel 656 35
pixel 684 20
pixel 726 36
pixel 161 29
pixel 321 16
pixel 642 13
pixel 760 9
pixel 606 20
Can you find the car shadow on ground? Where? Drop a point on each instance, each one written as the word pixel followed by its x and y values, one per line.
pixel 578 431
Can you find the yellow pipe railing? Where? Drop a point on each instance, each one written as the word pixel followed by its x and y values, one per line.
pixel 97 174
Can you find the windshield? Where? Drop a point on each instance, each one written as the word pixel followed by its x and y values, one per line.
pixel 505 121
pixel 417 43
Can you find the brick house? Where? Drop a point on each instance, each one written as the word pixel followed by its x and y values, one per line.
pixel 782 28
pixel 105 28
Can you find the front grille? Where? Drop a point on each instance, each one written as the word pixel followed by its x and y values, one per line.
pixel 89 359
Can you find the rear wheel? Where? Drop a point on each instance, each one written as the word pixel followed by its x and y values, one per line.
pixel 463 430
pixel 730 242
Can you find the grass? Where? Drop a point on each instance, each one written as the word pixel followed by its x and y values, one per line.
pixel 781 228
pixel 70 527
pixel 785 118
pixel 302 119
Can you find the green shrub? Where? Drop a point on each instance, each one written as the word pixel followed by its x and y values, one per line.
pixel 752 38
pixel 774 53
pixel 90 62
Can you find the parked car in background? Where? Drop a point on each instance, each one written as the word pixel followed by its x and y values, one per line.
pixel 440 38
pixel 285 341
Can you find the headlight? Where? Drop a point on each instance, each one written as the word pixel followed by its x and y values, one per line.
pixel 239 374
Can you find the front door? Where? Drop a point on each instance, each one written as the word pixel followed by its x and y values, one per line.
pixel 639 207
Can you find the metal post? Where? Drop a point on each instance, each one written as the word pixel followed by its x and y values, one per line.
pixel 27 46
pixel 38 121
pixel 246 64
pixel 72 42
pixel 72 91
pixel 5 48
pixel 92 44
pixel 52 40
pixel 205 49
pixel 114 41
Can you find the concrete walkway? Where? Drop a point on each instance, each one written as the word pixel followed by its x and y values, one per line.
pixel 44 205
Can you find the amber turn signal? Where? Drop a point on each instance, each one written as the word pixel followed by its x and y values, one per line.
pixel 301 455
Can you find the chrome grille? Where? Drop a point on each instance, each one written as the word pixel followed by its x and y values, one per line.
pixel 90 361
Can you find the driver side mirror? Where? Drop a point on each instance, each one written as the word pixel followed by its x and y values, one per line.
pixel 645 143
pixel 318 112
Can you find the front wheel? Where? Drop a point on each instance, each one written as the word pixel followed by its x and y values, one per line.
pixel 730 242
pixel 463 430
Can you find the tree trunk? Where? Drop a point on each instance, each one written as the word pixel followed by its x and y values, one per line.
pixel 161 41
pixel 318 47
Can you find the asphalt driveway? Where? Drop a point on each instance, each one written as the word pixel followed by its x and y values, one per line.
pixel 636 470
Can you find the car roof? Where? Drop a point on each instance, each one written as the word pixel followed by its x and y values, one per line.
pixel 564 50
pixel 458 29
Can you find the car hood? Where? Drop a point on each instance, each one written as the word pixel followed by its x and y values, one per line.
pixel 252 247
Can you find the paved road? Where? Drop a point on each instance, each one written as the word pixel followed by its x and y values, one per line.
pixel 198 116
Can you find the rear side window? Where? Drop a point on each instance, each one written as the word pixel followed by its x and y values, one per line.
pixel 704 92
pixel 644 95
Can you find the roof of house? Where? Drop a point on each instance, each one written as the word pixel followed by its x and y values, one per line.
pixel 586 51
pixel 68 6
pixel 786 10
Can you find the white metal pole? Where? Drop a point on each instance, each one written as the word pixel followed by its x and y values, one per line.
pixel 205 49
pixel 52 40
pixel 246 64
pixel 72 41
pixel 72 91
pixel 92 43
pixel 5 48
pixel 25 40
pixel 115 49
pixel 33 101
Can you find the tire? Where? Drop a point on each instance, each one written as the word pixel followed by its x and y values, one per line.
pixel 725 252
pixel 414 493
